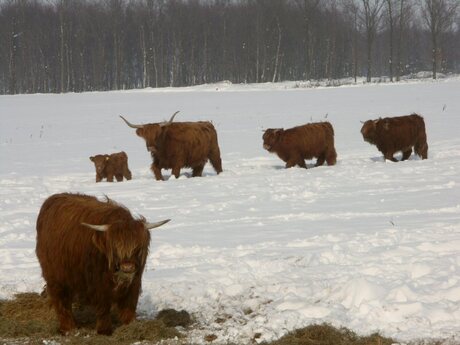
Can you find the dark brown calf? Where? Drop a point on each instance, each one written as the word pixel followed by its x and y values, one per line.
pixel 296 144
pixel 93 252
pixel 394 134
pixel 108 166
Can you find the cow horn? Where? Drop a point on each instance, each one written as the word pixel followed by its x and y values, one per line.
pixel 102 228
pixel 150 226
pixel 167 123
pixel 130 124
pixel 172 117
pixel 362 121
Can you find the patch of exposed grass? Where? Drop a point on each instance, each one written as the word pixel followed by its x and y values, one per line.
pixel 28 319
pixel 327 335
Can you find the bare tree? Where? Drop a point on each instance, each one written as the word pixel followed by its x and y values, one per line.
pixel 308 8
pixel 371 16
pixel 403 19
pixel 390 9
pixel 438 16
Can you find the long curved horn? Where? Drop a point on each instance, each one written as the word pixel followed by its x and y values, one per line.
pixel 130 124
pixel 150 226
pixel 173 116
pixel 102 228
pixel 167 123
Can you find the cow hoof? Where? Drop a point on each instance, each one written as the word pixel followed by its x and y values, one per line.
pixel 105 331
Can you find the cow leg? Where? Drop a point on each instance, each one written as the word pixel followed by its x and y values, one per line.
pixel 389 156
pixel 104 321
pixel 176 171
pixel 301 163
pixel 216 162
pixel 422 150
pixel 156 171
pixel 321 159
pixel 62 303
pixel 127 174
pixel 198 170
pixel 406 154
pixel 128 303
pixel 109 177
pixel 331 157
pixel 294 161
pixel 119 177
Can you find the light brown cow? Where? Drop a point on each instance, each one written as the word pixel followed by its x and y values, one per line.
pixel 93 252
pixel 176 145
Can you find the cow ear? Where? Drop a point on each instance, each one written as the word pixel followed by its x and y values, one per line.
pixel 91 158
pixel 140 132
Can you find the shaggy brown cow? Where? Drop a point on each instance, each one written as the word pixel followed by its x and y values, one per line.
pixel 393 134
pixel 93 252
pixel 108 166
pixel 175 145
pixel 296 144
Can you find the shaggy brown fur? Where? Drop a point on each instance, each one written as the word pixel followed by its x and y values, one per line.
pixel 98 268
pixel 178 145
pixel 393 134
pixel 108 166
pixel 296 144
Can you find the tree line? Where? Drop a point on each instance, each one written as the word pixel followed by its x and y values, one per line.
pixel 88 45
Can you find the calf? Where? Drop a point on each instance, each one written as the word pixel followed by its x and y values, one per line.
pixel 393 134
pixel 108 166
pixel 296 144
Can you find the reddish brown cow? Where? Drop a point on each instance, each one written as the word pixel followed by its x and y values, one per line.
pixel 93 252
pixel 175 145
pixel 393 134
pixel 296 144
pixel 108 166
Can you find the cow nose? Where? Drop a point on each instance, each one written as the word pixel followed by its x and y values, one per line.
pixel 128 267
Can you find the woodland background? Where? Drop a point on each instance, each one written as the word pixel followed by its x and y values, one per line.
pixel 88 45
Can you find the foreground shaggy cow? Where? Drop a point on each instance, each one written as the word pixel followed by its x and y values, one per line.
pixel 393 134
pixel 176 145
pixel 296 144
pixel 93 252
pixel 108 166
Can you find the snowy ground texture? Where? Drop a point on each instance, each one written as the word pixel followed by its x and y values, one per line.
pixel 366 244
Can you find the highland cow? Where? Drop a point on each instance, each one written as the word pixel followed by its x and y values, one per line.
pixel 92 252
pixel 295 145
pixel 176 145
pixel 108 166
pixel 394 134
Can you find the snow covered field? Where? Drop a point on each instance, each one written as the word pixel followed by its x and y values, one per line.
pixel 366 244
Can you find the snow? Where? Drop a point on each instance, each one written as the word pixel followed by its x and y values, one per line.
pixel 365 244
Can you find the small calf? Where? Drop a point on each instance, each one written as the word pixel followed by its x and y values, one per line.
pixel 108 166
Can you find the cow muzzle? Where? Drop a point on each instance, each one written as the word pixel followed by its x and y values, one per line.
pixel 127 267
pixel 124 274
pixel 267 147
pixel 151 149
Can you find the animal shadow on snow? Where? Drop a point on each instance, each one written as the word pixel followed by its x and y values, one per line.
pixel 398 156
pixel 186 174
pixel 309 164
